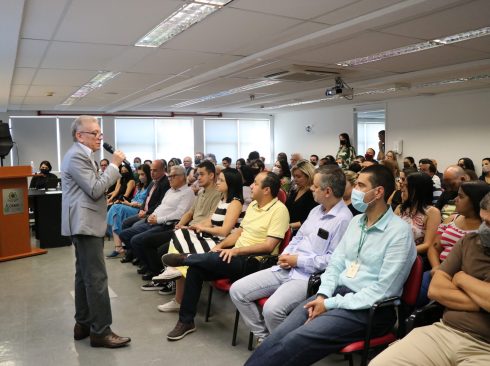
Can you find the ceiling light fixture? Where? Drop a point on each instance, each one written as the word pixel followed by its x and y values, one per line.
pixel 97 81
pixel 225 93
pixel 188 14
pixel 417 47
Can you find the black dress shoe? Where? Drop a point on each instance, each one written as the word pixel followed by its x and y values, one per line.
pixel 135 261
pixel 148 276
pixel 126 259
pixel 142 270
pixel 80 331
pixel 111 340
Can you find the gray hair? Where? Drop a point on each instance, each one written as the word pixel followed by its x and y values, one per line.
pixel 485 202
pixel 332 176
pixel 77 124
pixel 180 170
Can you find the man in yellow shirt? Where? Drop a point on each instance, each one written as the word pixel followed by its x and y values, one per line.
pixel 261 231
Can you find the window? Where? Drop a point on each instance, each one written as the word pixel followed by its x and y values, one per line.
pixel 236 138
pixel 150 138
pixel 369 123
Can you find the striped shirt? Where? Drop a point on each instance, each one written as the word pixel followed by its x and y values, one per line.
pixel 450 234
pixel 219 214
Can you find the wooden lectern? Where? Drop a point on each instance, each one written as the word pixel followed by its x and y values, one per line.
pixel 15 241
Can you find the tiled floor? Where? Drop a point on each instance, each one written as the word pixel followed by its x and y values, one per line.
pixel 36 320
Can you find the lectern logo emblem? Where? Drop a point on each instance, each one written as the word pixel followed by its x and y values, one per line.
pixel 13 201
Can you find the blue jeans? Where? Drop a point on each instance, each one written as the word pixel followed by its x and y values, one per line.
pixel 423 299
pixel 297 343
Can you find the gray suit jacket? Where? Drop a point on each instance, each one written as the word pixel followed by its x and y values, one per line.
pixel 84 206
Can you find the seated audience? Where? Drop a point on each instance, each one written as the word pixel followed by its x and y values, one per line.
pixel 370 154
pixel 103 164
pixel 485 170
pixel 156 191
pixel 350 182
pixel 203 236
pixel 466 163
pixel 427 166
pixel 257 166
pixel 470 175
pixel 211 157
pixel 281 168
pixel 198 158
pixel 355 167
pixel 409 162
pixel 391 165
pixel 147 162
pixel 295 157
pixel 309 252
pixel 173 162
pixel 262 229
pixel 40 179
pixel 453 177
pixel 226 162
pixel 178 199
pixel 454 228
pixel 156 245
pixel 240 162
pixel 391 155
pixel 461 284
pixel 300 200
pixel 187 165
pixel 248 176
pixel 124 186
pixel 359 159
pixel 371 262
pixel 314 160
pixel 417 210
pixel 346 152
pixel 124 209
pixel 282 156
pixel 252 156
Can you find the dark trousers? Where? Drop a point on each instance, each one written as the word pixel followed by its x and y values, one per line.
pixel 205 267
pixel 92 303
pixel 147 248
pixel 295 342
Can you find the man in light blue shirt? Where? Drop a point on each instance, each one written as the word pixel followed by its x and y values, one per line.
pixel 308 253
pixel 371 262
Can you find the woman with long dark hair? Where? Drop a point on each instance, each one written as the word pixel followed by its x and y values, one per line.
pixel 346 153
pixel 485 170
pixel 466 163
pixel 124 186
pixel 417 210
pixel 281 168
pixel 125 208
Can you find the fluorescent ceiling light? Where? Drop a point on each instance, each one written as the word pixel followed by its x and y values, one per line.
pixel 417 47
pixel 187 15
pixel 225 93
pixel 96 82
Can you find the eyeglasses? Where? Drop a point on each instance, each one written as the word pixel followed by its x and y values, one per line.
pixel 94 134
pixel 172 176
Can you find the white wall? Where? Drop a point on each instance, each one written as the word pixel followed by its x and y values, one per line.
pixel 290 134
pixel 445 127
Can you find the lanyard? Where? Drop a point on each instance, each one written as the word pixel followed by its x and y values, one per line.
pixel 364 233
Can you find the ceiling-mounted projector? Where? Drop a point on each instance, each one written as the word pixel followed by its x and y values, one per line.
pixel 341 89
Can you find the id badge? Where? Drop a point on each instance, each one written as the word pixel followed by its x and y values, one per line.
pixel 353 269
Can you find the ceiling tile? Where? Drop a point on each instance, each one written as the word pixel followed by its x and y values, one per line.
pixel 81 56
pixel 18 90
pixel 41 18
pixel 120 22
pixel 445 23
pixel 30 53
pixel 59 91
pixel 23 75
pixel 292 8
pixel 62 77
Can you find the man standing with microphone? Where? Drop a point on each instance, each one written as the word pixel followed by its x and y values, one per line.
pixel 84 212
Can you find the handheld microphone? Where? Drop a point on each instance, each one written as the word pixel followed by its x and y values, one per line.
pixel 109 148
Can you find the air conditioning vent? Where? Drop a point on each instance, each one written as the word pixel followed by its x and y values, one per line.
pixel 301 73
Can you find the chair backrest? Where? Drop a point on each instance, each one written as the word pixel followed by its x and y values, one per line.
pixel 286 240
pixel 412 285
pixel 281 195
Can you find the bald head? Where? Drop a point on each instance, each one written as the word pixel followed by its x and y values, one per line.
pixel 454 175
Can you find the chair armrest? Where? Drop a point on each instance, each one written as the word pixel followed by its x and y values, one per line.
pixel 426 315
pixel 390 301
pixel 258 262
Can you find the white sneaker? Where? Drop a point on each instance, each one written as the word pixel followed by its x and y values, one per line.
pixel 170 307
pixel 169 274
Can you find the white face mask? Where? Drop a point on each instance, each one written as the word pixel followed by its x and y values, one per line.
pixel 357 198
pixel 276 170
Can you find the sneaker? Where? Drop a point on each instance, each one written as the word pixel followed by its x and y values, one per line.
pixel 173 259
pixel 113 255
pixel 169 274
pixel 180 331
pixel 170 307
pixel 151 286
pixel 168 288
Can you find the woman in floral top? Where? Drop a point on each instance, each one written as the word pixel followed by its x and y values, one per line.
pixel 346 153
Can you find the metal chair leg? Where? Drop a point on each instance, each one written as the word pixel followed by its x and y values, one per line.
pixel 235 328
pixel 210 297
pixel 250 341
